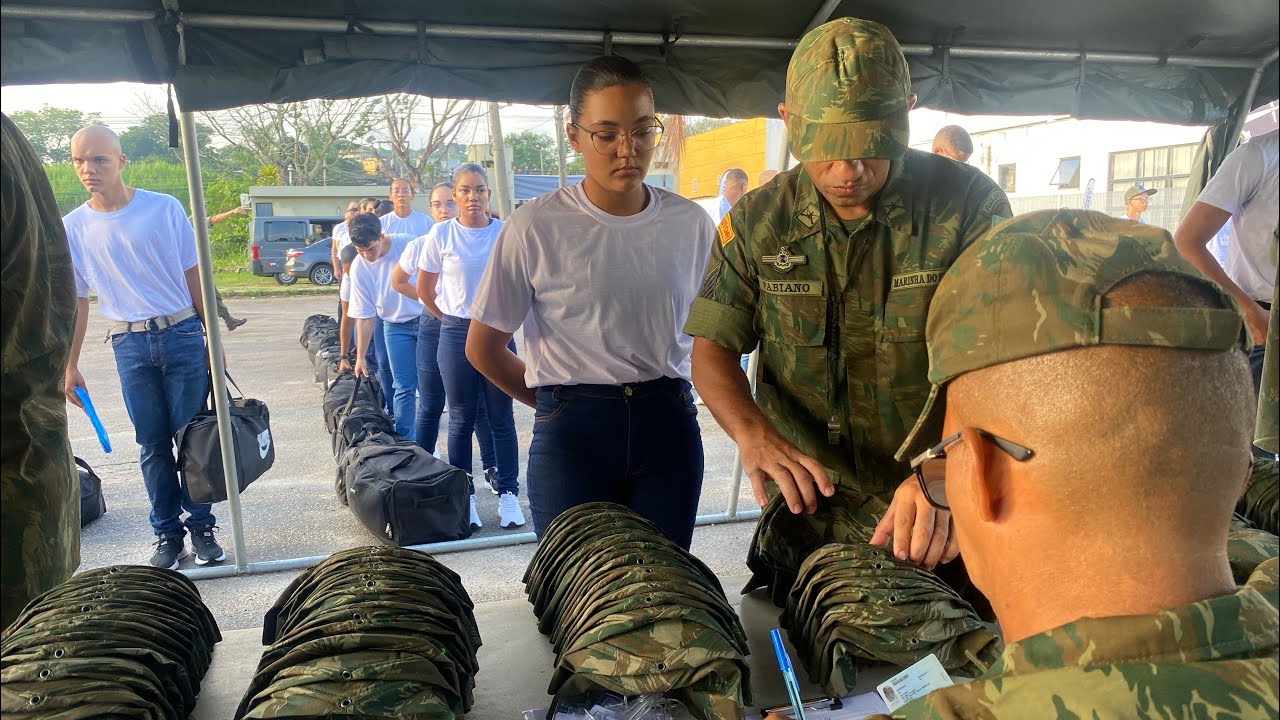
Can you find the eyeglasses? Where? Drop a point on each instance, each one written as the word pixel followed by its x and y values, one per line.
pixel 437 205
pixel 642 138
pixel 935 489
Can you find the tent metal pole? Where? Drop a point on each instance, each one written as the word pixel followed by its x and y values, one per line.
pixel 496 541
pixel 218 369
pixel 735 485
pixel 588 37
pixel 822 15
pixel 1246 102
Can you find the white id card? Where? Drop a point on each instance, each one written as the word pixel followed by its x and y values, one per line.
pixel 916 681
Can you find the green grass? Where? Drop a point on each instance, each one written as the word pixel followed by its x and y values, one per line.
pixel 246 284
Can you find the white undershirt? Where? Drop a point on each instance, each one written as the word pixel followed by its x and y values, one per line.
pixel 1247 187
pixel 459 254
pixel 415 224
pixel 371 290
pixel 134 258
pixel 605 297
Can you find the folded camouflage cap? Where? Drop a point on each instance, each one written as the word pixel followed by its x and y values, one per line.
pixel 848 93
pixel 1035 285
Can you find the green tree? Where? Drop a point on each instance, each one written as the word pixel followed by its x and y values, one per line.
pixel 267 175
pixel 532 152
pixel 49 129
pixel 150 139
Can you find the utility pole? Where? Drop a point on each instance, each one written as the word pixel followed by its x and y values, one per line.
pixel 501 182
pixel 559 121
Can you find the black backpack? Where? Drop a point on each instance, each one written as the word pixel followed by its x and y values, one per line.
pixel 93 504
pixel 405 496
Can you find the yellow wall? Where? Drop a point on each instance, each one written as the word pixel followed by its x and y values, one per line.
pixel 707 155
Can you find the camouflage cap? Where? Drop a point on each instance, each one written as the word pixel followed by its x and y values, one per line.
pixel 848 93
pixel 1035 285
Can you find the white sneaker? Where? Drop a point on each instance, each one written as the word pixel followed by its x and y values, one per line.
pixel 491 479
pixel 509 513
pixel 475 516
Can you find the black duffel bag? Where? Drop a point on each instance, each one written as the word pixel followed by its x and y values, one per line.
pixel 93 504
pixel 342 388
pixel 406 496
pixel 314 323
pixel 358 419
pixel 346 462
pixel 200 455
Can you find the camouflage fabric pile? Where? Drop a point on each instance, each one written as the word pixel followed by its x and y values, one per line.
pixel 127 641
pixel 631 613
pixel 855 603
pixel 784 539
pixel 371 632
pixel 1260 503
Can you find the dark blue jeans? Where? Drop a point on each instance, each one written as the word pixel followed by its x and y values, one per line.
pixel 431 396
pixel 467 389
pixel 638 445
pixel 385 377
pixel 164 376
pixel 402 353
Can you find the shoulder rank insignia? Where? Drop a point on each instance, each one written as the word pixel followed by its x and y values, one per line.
pixel 783 260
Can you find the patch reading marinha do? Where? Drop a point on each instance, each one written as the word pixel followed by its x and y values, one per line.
pixel 791 287
pixel 922 278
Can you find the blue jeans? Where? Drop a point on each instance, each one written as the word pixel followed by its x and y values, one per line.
pixel 164 376
pixel 385 377
pixel 467 389
pixel 638 445
pixel 431 396
pixel 402 356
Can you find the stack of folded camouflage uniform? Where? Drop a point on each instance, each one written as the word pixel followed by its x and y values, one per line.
pixel 784 539
pixel 631 613
pixel 127 641
pixel 856 602
pixel 1261 501
pixel 373 632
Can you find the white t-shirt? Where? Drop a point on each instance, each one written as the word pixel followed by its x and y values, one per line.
pixel 605 297
pixel 344 288
pixel 135 258
pixel 1247 187
pixel 459 254
pixel 415 224
pixel 371 291
pixel 342 234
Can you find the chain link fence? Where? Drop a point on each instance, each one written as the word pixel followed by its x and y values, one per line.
pixel 1165 209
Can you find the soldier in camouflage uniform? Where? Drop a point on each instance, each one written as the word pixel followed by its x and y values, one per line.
pixel 1094 393
pixel 39 494
pixel 830 267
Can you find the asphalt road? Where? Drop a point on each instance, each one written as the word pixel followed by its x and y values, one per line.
pixel 292 511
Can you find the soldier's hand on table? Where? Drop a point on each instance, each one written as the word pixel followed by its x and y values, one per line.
pixel 72 380
pixel 767 457
pixel 921 534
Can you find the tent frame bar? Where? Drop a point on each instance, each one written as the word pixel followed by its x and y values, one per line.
pixel 594 37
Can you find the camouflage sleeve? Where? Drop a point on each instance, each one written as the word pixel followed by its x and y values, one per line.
pixel 724 311
pixel 985 205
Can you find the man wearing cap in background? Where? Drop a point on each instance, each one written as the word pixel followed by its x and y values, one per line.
pixel 1092 408
pixel 1136 201
pixel 831 267
pixel 953 142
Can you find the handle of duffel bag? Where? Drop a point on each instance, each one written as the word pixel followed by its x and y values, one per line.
pixel 83 465
pixel 209 399
pixel 354 389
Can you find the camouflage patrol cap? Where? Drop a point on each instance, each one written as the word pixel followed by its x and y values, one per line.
pixel 848 93
pixel 1035 285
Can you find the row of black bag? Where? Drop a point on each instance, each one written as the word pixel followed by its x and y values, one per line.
pixel 401 493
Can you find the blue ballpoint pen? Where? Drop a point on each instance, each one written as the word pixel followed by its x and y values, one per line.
pixel 788 675
pixel 103 440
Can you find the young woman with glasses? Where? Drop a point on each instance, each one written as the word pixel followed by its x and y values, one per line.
pixel 601 275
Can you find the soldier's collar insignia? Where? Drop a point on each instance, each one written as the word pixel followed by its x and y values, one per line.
pixel 783 260
pixel 808 216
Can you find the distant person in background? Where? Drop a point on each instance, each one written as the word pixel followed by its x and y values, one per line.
pixel 224 313
pixel 441 205
pixel 1245 191
pixel 733 185
pixel 346 328
pixel 370 205
pixel 384 207
pixel 953 142
pixel 1136 201
pixel 403 219
pixel 342 238
pixel 766 176
pixel 39 493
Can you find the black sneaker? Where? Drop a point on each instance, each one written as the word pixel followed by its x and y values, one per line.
pixel 207 549
pixel 491 479
pixel 170 548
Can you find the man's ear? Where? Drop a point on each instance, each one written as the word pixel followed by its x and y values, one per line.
pixel 782 111
pixel 937 150
pixel 985 482
pixel 571 133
